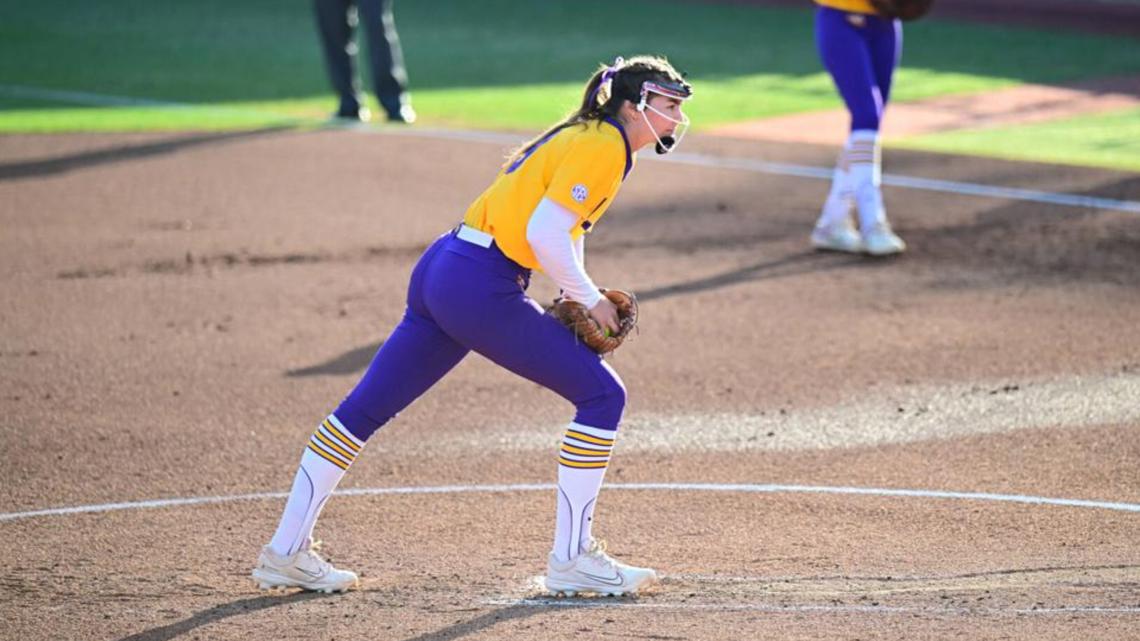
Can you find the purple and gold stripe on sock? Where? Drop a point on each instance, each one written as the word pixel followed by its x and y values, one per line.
pixel 862 151
pixel 336 430
pixel 583 436
pixel 584 451
pixel 332 442
pixel 581 464
pixel 586 448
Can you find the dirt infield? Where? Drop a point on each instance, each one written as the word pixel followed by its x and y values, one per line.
pixel 180 310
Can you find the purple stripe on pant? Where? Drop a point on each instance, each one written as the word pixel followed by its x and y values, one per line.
pixel 860 52
pixel 464 297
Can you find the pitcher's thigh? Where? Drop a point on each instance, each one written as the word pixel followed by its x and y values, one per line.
pixel 413 358
pixel 537 347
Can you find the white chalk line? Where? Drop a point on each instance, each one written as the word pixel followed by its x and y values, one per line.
pixel 105 100
pixel 818 173
pixel 795 609
pixel 692 159
pixel 536 487
pixel 912 182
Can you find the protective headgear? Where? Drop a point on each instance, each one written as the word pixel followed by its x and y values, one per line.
pixel 678 90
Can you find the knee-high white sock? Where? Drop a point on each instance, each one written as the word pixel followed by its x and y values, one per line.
pixel 866 177
pixel 330 451
pixel 582 462
pixel 840 198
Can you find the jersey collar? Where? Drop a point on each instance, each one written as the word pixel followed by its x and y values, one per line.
pixel 624 139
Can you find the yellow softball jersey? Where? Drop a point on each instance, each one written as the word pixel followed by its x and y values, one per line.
pixel 580 167
pixel 854 6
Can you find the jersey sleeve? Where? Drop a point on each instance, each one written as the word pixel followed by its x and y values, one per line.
pixel 588 174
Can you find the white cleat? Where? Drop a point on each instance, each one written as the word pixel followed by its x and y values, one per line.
pixel 305 569
pixel 596 572
pixel 840 237
pixel 880 240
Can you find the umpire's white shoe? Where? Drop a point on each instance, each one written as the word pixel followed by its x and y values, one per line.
pixel 881 241
pixel 597 572
pixel 840 237
pixel 305 569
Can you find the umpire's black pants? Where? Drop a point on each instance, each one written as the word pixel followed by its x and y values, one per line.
pixel 389 78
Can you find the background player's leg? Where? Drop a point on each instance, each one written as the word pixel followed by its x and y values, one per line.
pixel 845 46
pixel 884 43
pixel 844 50
pixel 844 53
pixel 335 25
pixel 885 47
pixel 389 77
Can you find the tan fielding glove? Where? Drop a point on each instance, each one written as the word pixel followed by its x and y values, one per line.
pixel 577 318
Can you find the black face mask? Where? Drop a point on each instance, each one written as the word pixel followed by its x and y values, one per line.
pixel 666 144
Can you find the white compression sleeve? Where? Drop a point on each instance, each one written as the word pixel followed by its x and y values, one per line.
pixel 548 233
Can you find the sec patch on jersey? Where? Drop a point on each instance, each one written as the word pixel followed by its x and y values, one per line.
pixel 579 193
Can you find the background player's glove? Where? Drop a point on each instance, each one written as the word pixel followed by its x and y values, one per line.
pixel 576 317
pixel 902 9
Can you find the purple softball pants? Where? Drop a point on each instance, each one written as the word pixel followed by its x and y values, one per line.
pixel 860 52
pixel 463 297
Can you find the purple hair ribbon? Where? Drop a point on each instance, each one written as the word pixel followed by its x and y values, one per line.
pixel 607 76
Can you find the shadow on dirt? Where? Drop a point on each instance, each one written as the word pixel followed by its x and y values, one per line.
pixel 219 612
pixel 124 153
pixel 482 622
pixel 802 263
pixel 349 362
pixel 246 606
pixel 1023 244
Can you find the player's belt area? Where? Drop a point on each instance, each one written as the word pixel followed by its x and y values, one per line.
pixel 474 236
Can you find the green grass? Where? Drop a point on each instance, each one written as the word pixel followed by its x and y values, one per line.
pixel 492 63
pixel 1104 140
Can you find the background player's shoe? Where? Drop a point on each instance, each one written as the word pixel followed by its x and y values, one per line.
pixel 597 572
pixel 350 117
pixel 840 237
pixel 881 241
pixel 305 569
pixel 404 115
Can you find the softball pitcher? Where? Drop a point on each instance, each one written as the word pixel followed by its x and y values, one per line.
pixel 860 49
pixel 468 292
